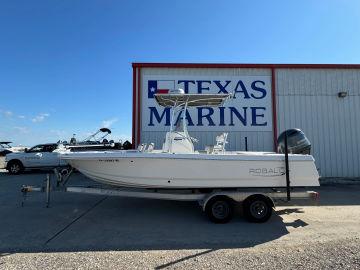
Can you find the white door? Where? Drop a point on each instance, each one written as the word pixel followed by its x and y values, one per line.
pixel 32 158
pixel 49 158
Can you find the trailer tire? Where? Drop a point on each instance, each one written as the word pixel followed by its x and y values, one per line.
pixel 258 208
pixel 219 209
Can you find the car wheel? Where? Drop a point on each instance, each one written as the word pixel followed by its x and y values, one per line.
pixel 15 167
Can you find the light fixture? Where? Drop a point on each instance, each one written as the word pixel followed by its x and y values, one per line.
pixel 342 94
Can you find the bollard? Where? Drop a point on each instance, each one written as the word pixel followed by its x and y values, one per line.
pixel 47 190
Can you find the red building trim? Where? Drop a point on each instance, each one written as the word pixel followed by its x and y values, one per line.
pixel 138 104
pixel 274 113
pixel 213 65
pixel 134 108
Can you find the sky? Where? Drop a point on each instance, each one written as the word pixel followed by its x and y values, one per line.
pixel 65 66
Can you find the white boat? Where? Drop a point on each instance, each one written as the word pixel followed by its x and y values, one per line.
pixel 93 143
pixel 178 166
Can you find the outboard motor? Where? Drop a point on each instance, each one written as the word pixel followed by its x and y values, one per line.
pixel 73 141
pixel 127 145
pixel 296 141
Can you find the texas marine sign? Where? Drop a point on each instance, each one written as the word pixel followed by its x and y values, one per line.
pixel 249 110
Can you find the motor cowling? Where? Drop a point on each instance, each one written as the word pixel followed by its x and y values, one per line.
pixel 127 145
pixel 297 142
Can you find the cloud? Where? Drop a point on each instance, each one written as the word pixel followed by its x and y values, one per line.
pixel 108 123
pixel 22 130
pixel 7 114
pixel 41 117
pixel 10 114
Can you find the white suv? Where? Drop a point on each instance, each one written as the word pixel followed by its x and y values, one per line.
pixel 42 156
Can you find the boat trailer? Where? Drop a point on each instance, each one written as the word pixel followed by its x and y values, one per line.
pixel 218 204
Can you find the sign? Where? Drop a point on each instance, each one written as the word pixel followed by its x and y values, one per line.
pixel 249 110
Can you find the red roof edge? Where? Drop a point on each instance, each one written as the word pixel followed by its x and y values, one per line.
pixel 223 65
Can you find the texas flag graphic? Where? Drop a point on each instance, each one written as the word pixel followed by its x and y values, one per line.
pixel 159 87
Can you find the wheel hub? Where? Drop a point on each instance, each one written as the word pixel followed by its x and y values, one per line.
pixel 258 209
pixel 220 210
pixel 14 168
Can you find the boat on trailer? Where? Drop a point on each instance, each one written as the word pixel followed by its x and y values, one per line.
pixel 177 165
pixel 217 179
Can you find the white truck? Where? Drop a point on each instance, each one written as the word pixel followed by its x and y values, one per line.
pixel 41 156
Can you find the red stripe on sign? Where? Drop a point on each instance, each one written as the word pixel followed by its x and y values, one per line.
pixel 162 91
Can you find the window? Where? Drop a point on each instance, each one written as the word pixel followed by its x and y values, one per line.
pixel 37 148
pixel 49 148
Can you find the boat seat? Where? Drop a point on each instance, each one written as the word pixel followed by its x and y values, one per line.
pixel 150 147
pixel 142 147
pixel 221 141
pixel 209 149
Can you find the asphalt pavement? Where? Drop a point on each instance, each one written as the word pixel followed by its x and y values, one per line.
pixel 87 231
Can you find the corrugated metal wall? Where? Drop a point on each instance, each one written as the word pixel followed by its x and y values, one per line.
pixel 307 99
pixel 257 141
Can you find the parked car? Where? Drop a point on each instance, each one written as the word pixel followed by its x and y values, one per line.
pixel 41 156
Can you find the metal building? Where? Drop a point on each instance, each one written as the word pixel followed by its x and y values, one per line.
pixel 322 100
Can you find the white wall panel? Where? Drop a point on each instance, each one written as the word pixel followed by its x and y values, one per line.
pixel 307 99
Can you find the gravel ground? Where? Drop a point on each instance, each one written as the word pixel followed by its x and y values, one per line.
pixel 333 254
pixel 83 231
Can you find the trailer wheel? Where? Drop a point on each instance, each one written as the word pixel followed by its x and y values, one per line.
pixel 219 209
pixel 258 208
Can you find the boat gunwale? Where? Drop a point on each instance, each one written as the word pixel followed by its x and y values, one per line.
pixel 193 156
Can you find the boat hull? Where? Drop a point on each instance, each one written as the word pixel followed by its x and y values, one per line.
pixel 194 171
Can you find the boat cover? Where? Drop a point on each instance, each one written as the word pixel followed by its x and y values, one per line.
pixel 192 100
